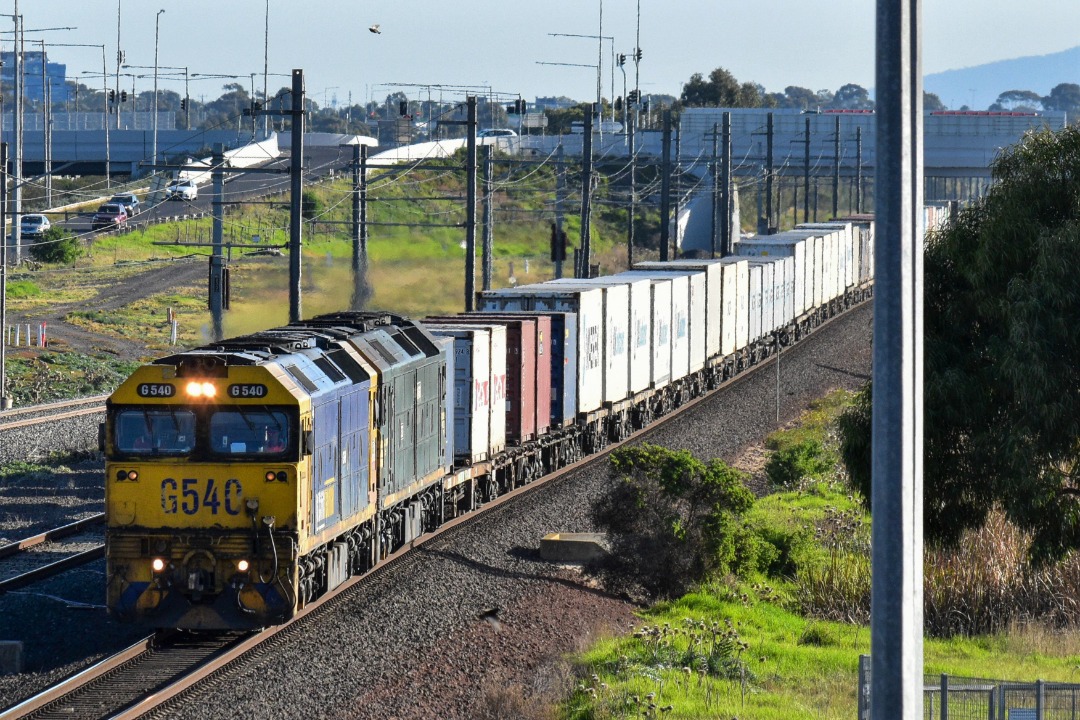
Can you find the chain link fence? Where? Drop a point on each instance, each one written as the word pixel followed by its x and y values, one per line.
pixel 955 697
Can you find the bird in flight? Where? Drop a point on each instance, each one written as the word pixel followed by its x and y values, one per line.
pixel 375 29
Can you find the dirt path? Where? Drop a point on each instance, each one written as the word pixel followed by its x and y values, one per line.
pixel 156 279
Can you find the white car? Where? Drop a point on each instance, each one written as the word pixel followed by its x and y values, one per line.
pixel 496 132
pixel 182 190
pixel 32 226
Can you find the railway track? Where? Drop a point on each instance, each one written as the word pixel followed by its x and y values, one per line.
pixel 51 412
pixel 49 553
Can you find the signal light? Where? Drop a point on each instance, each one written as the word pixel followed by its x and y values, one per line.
pixel 183 103
pixel 622 59
pixel 158 565
pixel 242 566
pixel 112 96
pixel 403 108
pixel 132 475
pixel 637 55
pixel 123 96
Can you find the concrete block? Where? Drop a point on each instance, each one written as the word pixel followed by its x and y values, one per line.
pixel 573 547
pixel 11 657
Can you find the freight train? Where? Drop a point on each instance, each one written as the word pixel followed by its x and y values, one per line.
pixel 248 477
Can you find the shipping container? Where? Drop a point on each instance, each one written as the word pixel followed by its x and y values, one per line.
pixel 793 245
pixel 694 322
pixel 787 288
pixel 587 307
pixel 678 318
pixel 754 308
pixel 735 334
pixel 714 295
pixel 521 370
pixel 639 324
pixel 471 414
pixel 540 327
pixel 615 332
pixel 447 422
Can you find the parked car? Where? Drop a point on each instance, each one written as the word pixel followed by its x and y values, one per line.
pixel 182 190
pixel 34 226
pixel 496 132
pixel 109 216
pixel 130 201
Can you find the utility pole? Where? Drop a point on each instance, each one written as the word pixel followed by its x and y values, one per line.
pixel 16 188
pixel 217 175
pixel 361 291
pixel 726 196
pixel 296 186
pixel 665 185
pixel 858 169
pixel 5 401
pixel 586 199
pixel 806 174
pixel 632 214
pixel 677 178
pixel 715 177
pixel 836 170
pixel 470 205
pixel 485 256
pixel 560 195
pixel 769 174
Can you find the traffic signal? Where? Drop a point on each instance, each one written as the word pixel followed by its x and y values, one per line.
pixel 645 106
pixel 123 96
pixel 622 59
pixel 112 96
pixel 618 104
pixel 522 105
pixel 637 55
pixel 632 96
pixel 183 103
pixel 403 108
pixel 512 108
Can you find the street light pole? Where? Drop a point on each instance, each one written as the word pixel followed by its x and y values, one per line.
pixel 266 68
pixel 157 30
pixel 119 62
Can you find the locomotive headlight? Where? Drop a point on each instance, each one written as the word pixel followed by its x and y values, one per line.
pixel 243 566
pixel 208 390
pixel 132 475
pixel 158 564
pixel 201 389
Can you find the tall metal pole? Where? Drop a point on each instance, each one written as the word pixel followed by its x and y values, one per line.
pixel 896 625
pixel 637 60
pixel 586 200
pixel 217 175
pixel 157 30
pixel 119 62
pixel 470 204
pixel 806 175
pixel 560 194
pixel 632 211
pixel 45 128
pixel 599 72
pixel 266 68
pixel 836 170
pixel 356 174
pixel 665 184
pixel 676 193
pixel 727 199
pixel 105 94
pixel 361 292
pixel 296 186
pixel 16 188
pixel 858 169
pixel 769 174
pixel 5 402
pixel 485 255
pixel 714 216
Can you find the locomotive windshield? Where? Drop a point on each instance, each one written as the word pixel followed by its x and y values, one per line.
pixel 155 432
pixel 237 431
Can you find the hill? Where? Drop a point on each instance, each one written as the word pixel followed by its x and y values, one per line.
pixel 980 85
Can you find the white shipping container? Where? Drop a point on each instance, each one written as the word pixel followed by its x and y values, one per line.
pixel 714 295
pixel 616 332
pixel 788 313
pixel 493 389
pixel 472 416
pixel 754 308
pixel 696 313
pixel 791 244
pixel 588 305
pixel 768 286
pixel 660 332
pixel 735 333
pixel 679 318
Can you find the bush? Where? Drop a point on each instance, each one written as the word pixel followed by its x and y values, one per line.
pixel 673 520
pixel 310 205
pixel 805 459
pixel 56 245
pixel 854 425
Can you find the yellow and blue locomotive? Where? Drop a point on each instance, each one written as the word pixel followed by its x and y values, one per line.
pixel 247 477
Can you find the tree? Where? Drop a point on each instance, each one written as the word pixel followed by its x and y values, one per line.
pixel 673 519
pixel 1002 385
pixel 1064 97
pixel 852 97
pixel 56 245
pixel 932 103
pixel 720 90
pixel 800 97
pixel 1018 100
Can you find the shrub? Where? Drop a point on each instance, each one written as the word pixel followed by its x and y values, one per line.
pixel 674 520
pixel 311 206
pixel 56 245
pixel 854 426
pixel 805 459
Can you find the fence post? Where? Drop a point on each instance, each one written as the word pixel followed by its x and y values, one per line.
pixel 944 696
pixel 1039 689
pixel 864 687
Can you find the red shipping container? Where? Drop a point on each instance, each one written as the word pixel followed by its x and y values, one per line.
pixel 543 362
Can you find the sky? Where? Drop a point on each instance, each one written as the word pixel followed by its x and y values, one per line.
pixel 498 45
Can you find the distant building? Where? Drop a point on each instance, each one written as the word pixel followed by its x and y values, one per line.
pixel 554 103
pixel 55 76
